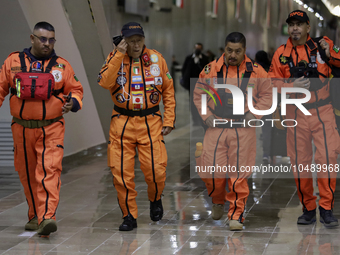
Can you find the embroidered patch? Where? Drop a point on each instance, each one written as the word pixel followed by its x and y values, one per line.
pixel 99 78
pixel 154 97
pixel 207 69
pixel 283 60
pixel 75 77
pixel 168 75
pixel 137 87
pixel 147 73
pixel 149 81
pixel 158 80
pixel 154 58
pixel 120 98
pixel 57 75
pixel 136 78
pixel 121 80
pixel 62 66
pixel 154 69
pixel 336 49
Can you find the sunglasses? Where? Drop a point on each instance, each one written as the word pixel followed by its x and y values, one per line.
pixel 44 39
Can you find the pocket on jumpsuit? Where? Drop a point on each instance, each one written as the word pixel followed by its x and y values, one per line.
pixel 58 153
pixel 19 157
pixel 112 149
pixel 163 157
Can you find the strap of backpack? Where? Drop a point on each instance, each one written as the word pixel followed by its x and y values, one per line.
pixel 51 64
pixel 246 76
pixel 22 61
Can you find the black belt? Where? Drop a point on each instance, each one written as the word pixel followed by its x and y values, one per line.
pixel 54 93
pixel 140 113
pixel 35 123
pixel 319 103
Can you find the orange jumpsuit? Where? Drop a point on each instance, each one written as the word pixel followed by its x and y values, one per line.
pixel 137 87
pixel 38 152
pixel 234 147
pixel 319 127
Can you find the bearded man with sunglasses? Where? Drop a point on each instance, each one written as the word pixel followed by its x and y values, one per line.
pixel 43 87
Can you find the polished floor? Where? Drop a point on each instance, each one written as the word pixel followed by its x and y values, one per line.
pixel 88 214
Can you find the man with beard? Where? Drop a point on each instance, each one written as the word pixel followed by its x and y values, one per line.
pixel 299 64
pixel 230 145
pixel 38 125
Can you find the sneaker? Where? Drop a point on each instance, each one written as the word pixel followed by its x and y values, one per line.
pixel 235 225
pixel 32 224
pixel 327 218
pixel 156 210
pixel 308 217
pixel 217 211
pixel 128 224
pixel 47 226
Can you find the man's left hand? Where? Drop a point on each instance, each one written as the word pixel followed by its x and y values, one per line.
pixel 249 116
pixel 67 106
pixel 324 45
pixel 166 130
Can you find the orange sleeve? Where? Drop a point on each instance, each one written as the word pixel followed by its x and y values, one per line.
pixel 264 92
pixel 198 92
pixel 5 76
pixel 72 84
pixel 109 72
pixel 334 52
pixel 168 94
pixel 275 71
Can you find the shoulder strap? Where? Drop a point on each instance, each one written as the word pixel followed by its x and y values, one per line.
pixel 246 76
pixel 51 64
pixel 22 61
pixel 321 50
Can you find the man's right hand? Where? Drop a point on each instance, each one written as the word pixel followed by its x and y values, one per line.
pixel 210 121
pixel 301 82
pixel 122 46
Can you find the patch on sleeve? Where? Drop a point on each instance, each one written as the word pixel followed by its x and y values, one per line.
pixel 283 60
pixel 207 68
pixel 168 75
pixel 336 49
pixel 75 77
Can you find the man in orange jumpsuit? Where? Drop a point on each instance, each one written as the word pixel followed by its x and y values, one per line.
pixel 137 78
pixel 233 146
pixel 289 69
pixel 38 124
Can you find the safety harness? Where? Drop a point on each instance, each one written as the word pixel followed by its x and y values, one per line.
pixel 226 109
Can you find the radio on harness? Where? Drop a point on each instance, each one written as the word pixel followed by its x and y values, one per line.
pixel 33 85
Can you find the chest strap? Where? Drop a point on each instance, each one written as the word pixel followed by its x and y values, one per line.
pixel 140 113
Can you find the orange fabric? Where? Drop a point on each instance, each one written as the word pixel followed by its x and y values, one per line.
pixel 319 127
pixel 111 72
pixel 144 133
pixel 35 109
pixel 234 147
pixel 38 154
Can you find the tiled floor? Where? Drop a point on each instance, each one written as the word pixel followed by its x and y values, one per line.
pixel 88 214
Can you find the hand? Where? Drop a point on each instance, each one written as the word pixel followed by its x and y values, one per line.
pixel 67 106
pixel 324 45
pixel 166 130
pixel 210 121
pixel 122 46
pixel 249 116
pixel 302 83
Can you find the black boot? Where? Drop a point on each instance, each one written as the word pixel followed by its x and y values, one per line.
pixel 308 217
pixel 327 218
pixel 128 224
pixel 156 210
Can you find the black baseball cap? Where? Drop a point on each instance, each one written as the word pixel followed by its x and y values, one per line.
pixel 132 28
pixel 298 15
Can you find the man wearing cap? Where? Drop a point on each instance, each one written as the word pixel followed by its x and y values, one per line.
pixel 138 78
pixel 299 64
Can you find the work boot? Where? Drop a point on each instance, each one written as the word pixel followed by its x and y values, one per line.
pixel 47 226
pixel 156 210
pixel 308 217
pixel 327 218
pixel 128 224
pixel 217 211
pixel 32 224
pixel 236 224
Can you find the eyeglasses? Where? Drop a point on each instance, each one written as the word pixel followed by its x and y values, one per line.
pixel 44 39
